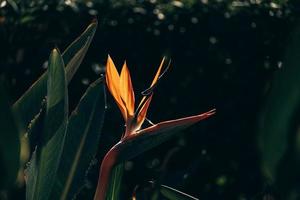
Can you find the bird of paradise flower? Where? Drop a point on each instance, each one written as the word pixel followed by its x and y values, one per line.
pixel 121 88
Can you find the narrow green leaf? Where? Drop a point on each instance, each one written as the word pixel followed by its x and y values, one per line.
pixel 28 105
pixel 174 194
pixel 81 142
pixel 57 96
pixel 115 182
pixel 9 143
pixel 281 106
pixel 42 170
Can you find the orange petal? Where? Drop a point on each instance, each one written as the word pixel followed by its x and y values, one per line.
pixel 126 89
pixel 143 113
pixel 113 84
pixel 156 77
pixel 158 72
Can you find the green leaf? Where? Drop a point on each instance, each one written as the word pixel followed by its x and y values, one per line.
pixel 42 170
pixel 115 182
pixel 9 143
pixel 28 105
pixel 174 194
pixel 14 5
pixel 57 97
pixel 81 142
pixel 280 108
pixel 36 126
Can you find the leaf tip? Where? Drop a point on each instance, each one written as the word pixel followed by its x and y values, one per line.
pixel 94 21
pixel 55 51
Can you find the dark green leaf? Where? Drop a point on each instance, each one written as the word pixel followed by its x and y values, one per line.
pixel 28 105
pixel 81 143
pixel 280 108
pixel 57 96
pixel 9 143
pixel 36 126
pixel 115 182
pixel 42 170
pixel 14 5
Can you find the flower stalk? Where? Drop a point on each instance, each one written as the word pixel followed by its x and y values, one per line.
pixel 136 140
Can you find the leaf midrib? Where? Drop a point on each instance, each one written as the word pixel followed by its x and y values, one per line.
pixel 78 154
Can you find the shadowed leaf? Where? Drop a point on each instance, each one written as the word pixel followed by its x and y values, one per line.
pixel 281 106
pixel 81 142
pixel 36 126
pixel 42 170
pixel 115 182
pixel 28 105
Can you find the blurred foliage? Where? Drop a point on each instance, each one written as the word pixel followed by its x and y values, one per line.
pixel 279 124
pixel 225 54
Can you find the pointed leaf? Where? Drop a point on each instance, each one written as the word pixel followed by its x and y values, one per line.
pixel 81 142
pixel 280 109
pixel 9 143
pixel 28 105
pixel 42 170
pixel 173 194
pixel 57 99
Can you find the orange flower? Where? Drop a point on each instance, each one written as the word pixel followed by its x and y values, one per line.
pixel 120 86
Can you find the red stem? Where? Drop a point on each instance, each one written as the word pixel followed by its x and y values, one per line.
pixel 105 171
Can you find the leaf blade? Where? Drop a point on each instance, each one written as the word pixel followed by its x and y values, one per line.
pixel 42 170
pixel 115 182
pixel 174 194
pixel 83 132
pixel 280 108
pixel 28 105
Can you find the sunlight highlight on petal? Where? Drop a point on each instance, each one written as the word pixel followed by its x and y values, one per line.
pixel 126 90
pixel 143 113
pixel 156 77
pixel 113 83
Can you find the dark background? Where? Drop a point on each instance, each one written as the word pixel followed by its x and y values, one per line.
pixel 223 55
